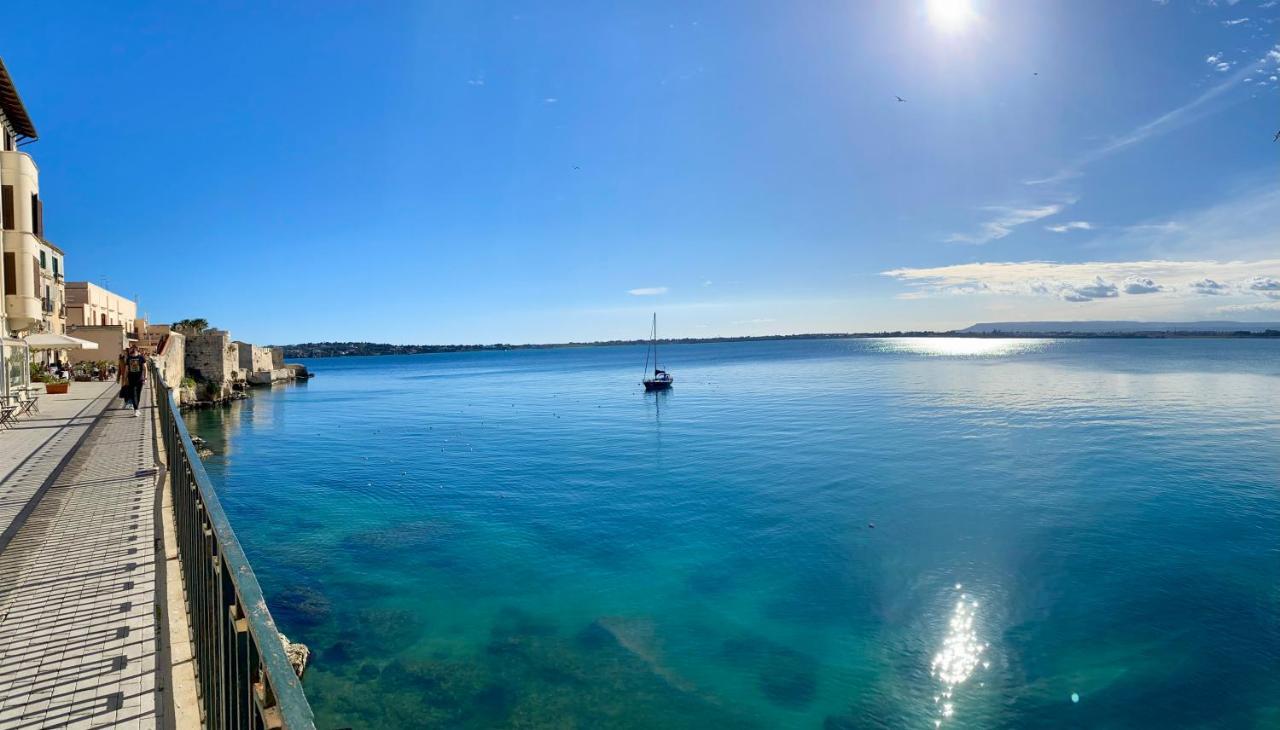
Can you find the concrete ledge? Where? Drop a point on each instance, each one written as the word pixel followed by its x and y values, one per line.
pixel 183 711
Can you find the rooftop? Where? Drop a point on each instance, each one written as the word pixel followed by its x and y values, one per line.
pixel 11 104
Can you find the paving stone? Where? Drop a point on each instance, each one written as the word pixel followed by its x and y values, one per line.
pixel 77 611
pixel 35 445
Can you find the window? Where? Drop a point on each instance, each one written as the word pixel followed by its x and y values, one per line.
pixel 6 206
pixel 8 141
pixel 37 215
pixel 43 263
pixel 104 320
pixel 55 266
pixel 10 273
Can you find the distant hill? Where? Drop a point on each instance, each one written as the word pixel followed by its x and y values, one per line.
pixel 985 329
pixel 1119 327
pixel 342 349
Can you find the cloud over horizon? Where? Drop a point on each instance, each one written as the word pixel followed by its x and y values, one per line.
pixel 1178 282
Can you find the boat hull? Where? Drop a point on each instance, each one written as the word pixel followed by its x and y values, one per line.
pixel 651 385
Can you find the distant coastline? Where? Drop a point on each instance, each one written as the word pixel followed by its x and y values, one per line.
pixel 355 349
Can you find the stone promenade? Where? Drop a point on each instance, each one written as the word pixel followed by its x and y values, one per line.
pixel 78 571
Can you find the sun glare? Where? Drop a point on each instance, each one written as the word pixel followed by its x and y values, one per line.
pixel 950 16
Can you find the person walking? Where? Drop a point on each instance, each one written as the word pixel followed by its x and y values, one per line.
pixel 134 374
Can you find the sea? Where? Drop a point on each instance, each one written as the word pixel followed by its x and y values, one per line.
pixel 827 533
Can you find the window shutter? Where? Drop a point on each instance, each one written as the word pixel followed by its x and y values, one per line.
pixel 10 273
pixel 37 222
pixel 6 204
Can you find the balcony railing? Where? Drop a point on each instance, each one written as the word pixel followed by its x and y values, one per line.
pixel 243 676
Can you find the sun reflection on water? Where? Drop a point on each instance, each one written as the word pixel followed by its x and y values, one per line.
pixel 959 657
pixel 962 346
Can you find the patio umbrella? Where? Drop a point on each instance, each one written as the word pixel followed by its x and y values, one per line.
pixel 50 341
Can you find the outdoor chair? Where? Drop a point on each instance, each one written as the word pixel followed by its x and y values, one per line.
pixel 30 403
pixel 9 413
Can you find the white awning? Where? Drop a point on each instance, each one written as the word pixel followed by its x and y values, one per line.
pixel 50 341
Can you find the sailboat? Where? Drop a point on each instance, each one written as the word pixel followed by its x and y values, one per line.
pixel 661 379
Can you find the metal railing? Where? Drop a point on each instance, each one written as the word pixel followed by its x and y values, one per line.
pixel 243 676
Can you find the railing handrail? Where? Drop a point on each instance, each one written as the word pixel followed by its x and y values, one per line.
pixel 273 685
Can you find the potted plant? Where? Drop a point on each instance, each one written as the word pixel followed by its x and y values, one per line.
pixel 52 385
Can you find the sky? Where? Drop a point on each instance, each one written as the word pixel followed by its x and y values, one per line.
pixel 545 172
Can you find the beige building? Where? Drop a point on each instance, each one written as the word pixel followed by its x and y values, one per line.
pixel 21 237
pixel 52 289
pixel 89 305
pixel 21 218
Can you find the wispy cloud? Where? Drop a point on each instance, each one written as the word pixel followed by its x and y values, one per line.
pixel 1237 21
pixel 1072 226
pixel 1268 307
pixel 478 81
pixel 1006 220
pixel 550 100
pixel 1092 280
pixel 1170 120
pixel 647 291
pixel 758 320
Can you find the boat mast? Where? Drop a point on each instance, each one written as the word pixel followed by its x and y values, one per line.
pixel 655 344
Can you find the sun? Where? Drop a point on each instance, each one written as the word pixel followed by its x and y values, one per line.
pixel 950 16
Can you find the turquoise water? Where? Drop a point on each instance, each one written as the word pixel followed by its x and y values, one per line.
pixel 526 539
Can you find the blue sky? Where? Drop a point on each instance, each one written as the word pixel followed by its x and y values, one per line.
pixel 531 172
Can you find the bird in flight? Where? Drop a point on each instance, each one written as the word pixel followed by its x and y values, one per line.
pixel 899 98
pixel 1276 138
pixel 1035 73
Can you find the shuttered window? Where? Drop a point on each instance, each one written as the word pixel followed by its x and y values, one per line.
pixel 10 273
pixel 6 206
pixel 37 215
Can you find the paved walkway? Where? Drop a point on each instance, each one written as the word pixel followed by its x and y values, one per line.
pixel 38 443
pixel 78 613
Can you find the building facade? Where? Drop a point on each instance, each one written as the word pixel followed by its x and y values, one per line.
pixel 52 289
pixel 89 305
pixel 21 235
pixel 21 216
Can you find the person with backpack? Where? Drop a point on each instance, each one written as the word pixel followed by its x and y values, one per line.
pixel 133 376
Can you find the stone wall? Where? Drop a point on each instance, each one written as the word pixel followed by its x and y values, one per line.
pixel 213 358
pixel 172 359
pixel 277 357
pixel 253 358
